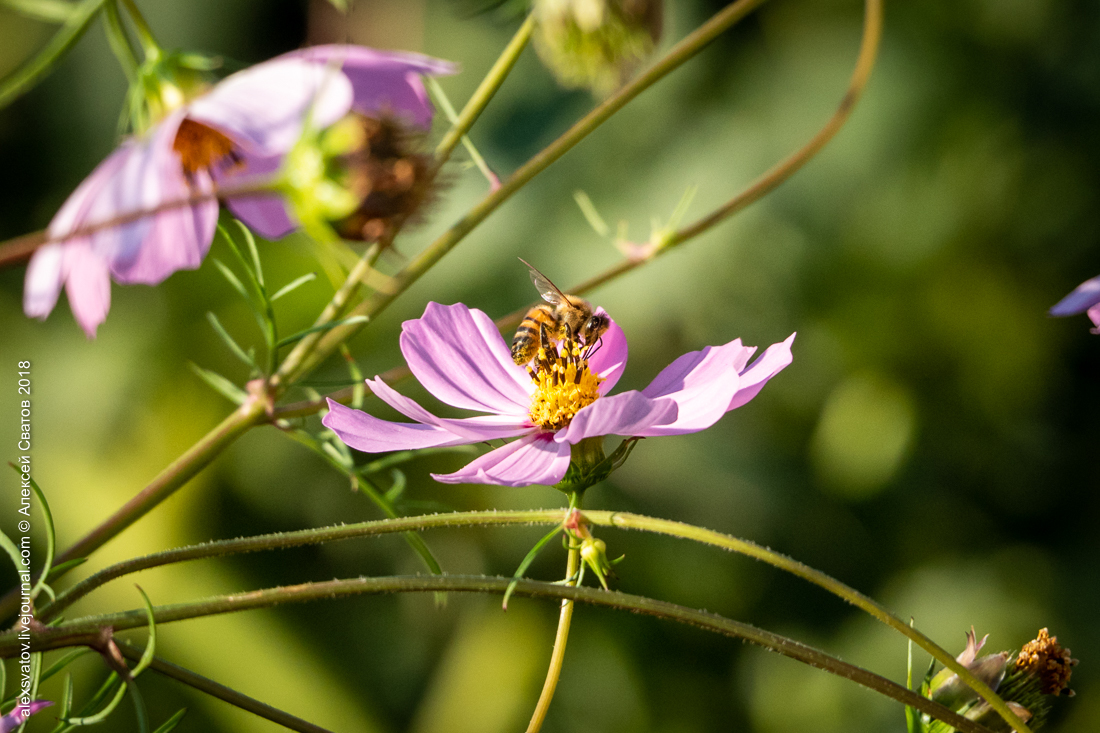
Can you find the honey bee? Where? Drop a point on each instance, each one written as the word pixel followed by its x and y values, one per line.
pixel 559 317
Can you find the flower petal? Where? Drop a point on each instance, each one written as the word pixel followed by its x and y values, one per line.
pixel 1094 315
pixel 264 213
pixel 88 285
pixel 1083 297
pixel 536 459
pixel 44 279
pixel 609 361
pixel 367 433
pixel 384 81
pixel 766 366
pixel 702 383
pixel 629 413
pixel 459 356
pixel 482 427
pixel 265 107
pixel 16 717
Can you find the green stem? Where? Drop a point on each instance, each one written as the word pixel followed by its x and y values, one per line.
pixel 684 50
pixel 561 638
pixel 86 630
pixel 145 34
pixel 484 92
pixel 220 691
pixel 119 41
pixel 47 11
pixel 24 78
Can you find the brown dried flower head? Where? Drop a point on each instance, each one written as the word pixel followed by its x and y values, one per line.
pixel 1049 661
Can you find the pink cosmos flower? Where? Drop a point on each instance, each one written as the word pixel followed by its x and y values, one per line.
pixel 458 354
pixel 240 129
pixel 1085 298
pixel 15 718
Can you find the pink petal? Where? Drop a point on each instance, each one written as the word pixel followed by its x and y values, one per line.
pixel 702 383
pixel 16 717
pixel 43 282
pixel 367 433
pixel 535 459
pixel 265 106
pixel 609 360
pixel 459 356
pixel 483 427
pixel 629 413
pixel 384 81
pixel 264 213
pixel 1094 315
pixel 88 285
pixel 766 366
pixel 1085 296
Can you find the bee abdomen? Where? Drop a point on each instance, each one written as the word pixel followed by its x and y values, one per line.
pixel 525 343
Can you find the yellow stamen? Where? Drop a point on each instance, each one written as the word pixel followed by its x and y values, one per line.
pixel 563 385
pixel 200 147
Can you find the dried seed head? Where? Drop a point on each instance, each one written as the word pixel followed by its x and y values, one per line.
pixel 387 175
pixel 1049 661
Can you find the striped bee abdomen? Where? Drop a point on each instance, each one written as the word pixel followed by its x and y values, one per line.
pixel 525 344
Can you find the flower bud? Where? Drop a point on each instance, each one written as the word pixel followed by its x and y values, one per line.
pixel 947 689
pixel 595 43
pixel 594 555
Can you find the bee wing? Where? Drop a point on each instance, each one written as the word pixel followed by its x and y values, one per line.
pixel 548 290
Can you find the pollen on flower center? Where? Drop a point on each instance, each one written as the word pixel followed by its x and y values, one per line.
pixel 200 147
pixel 563 385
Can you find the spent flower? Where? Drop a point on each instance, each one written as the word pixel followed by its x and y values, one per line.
pixel 556 407
pixel 151 207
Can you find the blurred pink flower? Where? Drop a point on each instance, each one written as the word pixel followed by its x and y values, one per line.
pixel 241 128
pixel 459 356
pixel 1085 298
pixel 15 718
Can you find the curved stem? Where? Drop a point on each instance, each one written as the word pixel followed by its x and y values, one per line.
pixel 24 78
pixel 86 630
pixel 220 691
pixel 484 92
pixel 622 520
pixel 145 34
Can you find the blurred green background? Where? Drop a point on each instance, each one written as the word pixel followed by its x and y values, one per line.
pixel 934 443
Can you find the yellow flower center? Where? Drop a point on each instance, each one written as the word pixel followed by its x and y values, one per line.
pixel 563 385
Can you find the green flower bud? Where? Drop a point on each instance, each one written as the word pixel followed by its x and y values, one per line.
pixel 596 43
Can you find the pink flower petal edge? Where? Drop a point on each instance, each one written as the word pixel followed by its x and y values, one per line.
pixel 462 359
pixel 16 717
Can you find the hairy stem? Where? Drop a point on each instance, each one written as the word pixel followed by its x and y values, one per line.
pixel 86 630
pixel 220 691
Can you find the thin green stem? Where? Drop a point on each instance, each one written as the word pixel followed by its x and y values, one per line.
pixel 485 91
pixel 220 691
pixel 561 638
pixel 119 41
pixel 440 98
pixel 145 34
pixel 24 78
pixel 683 51
pixel 85 630
pixel 47 11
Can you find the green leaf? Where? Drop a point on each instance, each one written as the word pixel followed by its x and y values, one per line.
pixel 219 384
pixel 234 281
pixel 64 662
pixel 251 242
pixel 170 724
pixel 323 327
pixel 51 540
pixel 590 214
pixel 10 548
pixel 234 347
pixel 527 560
pixel 399 483
pixel 65 567
pixel 66 697
pixel 294 285
pixel 25 77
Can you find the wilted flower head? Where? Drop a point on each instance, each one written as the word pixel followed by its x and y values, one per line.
pixel 554 409
pixel 947 689
pixel 151 207
pixel 19 715
pixel 1084 299
pixel 596 43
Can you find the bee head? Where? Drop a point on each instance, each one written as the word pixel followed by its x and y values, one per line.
pixel 594 327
